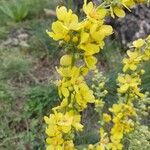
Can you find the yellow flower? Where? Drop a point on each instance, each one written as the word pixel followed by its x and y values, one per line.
pixel 59 31
pixel 51 147
pixel 106 117
pixel 122 122
pixel 128 82
pixel 100 147
pixel 99 103
pixel 115 145
pixel 64 71
pixel 89 48
pixel 121 107
pixel 131 62
pixel 90 61
pixel 117 130
pixel 67 21
pixel 68 18
pixel 92 12
pixel 84 95
pixel 76 122
pixel 106 30
pixel 84 71
pixel 62 123
pixel 52 130
pixel 55 141
pixel 116 108
pixel 65 92
pixel 90 147
pixel 92 37
pixel 68 145
pixel 99 32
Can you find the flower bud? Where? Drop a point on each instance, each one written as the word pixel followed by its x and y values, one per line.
pixel 66 60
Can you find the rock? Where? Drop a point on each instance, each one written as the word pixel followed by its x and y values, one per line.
pixel 23 36
pixel 24 44
pixel 135 25
pixel 15 42
pixel 7 42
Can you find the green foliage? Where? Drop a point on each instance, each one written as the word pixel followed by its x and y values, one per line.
pixel 16 10
pixel 90 134
pixel 40 43
pixel 40 99
pixel 139 139
pixel 146 77
pixel 6 92
pixel 18 131
pixel 69 4
pixel 22 126
pixel 14 64
pixel 111 63
pixel 111 56
pixel 38 6
pixel 3 31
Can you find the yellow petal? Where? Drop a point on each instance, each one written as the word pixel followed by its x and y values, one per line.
pixel 84 37
pixel 138 43
pixel 102 13
pixel 133 67
pixel 90 61
pixel 87 8
pixel 119 12
pixel 66 60
pixel 121 79
pixel 90 48
pixel 60 11
pixel 65 92
pixel 106 117
pixel 59 31
pixel 106 30
pixel 123 88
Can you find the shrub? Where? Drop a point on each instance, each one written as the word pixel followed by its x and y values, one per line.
pixel 39 98
pixel 15 10
pixel 81 40
pixel 14 64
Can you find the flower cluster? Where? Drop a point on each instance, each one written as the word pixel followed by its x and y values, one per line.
pixel 81 40
pixel 130 80
pixel 124 113
pixel 123 124
pixel 59 129
pixel 122 116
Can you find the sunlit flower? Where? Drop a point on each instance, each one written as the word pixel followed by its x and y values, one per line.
pixel 93 13
pixel 127 82
pixel 131 62
pixel 106 117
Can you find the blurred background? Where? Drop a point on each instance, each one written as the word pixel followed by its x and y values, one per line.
pixel 27 65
